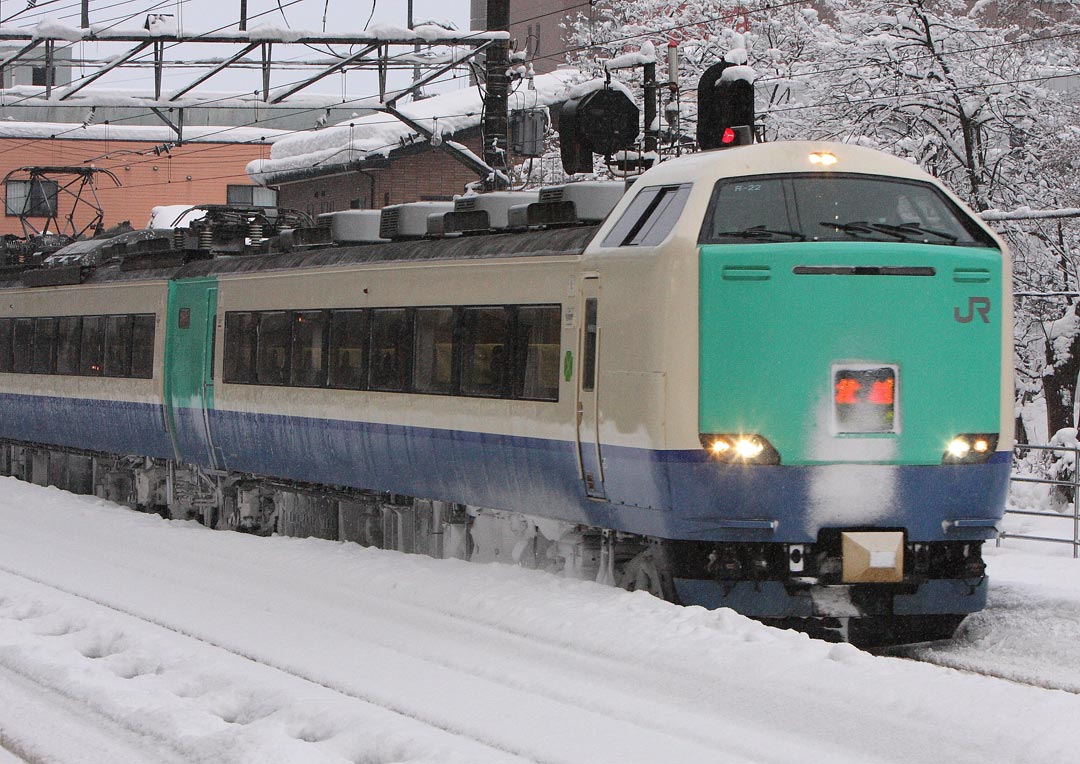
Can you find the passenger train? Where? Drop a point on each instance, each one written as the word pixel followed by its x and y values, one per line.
pixel 775 378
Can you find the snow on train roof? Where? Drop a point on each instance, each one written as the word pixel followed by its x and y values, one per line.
pixel 380 133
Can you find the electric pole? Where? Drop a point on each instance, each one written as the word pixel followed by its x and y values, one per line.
pixel 495 95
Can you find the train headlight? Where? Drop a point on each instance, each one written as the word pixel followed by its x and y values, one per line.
pixel 742 448
pixel 823 158
pixel 970 448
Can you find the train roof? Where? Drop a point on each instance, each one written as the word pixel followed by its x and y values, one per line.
pixel 781 157
pixel 556 242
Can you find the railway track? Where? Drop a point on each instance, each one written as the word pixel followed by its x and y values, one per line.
pixel 319 649
pixel 158 752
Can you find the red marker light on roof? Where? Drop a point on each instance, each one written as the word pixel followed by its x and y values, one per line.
pixel 728 137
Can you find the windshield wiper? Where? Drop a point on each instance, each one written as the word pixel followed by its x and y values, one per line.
pixel 761 232
pixel 918 230
pixel 860 228
pixel 903 232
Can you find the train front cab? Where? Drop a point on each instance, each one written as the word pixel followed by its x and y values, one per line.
pixel 854 400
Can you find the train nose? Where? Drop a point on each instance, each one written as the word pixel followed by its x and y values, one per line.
pixel 834 357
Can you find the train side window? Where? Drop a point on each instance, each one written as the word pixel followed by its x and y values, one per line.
pixel 44 345
pixel 485 341
pixel 650 217
pixel 118 346
pixel 348 349
pixel 309 335
pixel 142 345
pixel 92 346
pixel 274 333
pixel 536 353
pixel 433 351
pixel 388 364
pixel 68 338
pixel 7 327
pixel 588 362
pixel 241 330
pixel 23 360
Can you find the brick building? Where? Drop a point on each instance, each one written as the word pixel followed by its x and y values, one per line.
pixel 418 172
pixel 376 160
pixel 150 169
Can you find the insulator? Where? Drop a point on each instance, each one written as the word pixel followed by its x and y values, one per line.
pixel 255 231
pixel 178 238
pixel 206 238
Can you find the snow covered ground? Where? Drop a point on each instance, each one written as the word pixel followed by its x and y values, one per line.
pixel 127 638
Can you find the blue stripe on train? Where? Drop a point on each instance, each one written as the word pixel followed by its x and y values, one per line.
pixel 120 427
pixel 670 494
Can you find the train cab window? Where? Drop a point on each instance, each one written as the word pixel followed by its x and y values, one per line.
pixel 650 217
pixel 68 337
pixel 388 361
pixel 7 326
pixel 309 336
pixel 836 207
pixel 92 346
pixel 433 351
pixel 118 346
pixel 23 361
pixel 142 345
pixel 241 330
pixel 272 367
pixel 485 341
pixel 44 346
pixel 536 353
pixel 348 349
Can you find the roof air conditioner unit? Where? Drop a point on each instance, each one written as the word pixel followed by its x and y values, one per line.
pixel 584 202
pixel 409 221
pixel 483 212
pixel 355 226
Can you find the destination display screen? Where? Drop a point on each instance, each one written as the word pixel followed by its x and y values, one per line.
pixel 864 399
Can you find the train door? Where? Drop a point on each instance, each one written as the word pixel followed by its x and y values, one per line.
pixel 588 391
pixel 189 369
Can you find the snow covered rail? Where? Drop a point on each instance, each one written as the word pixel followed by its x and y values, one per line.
pixel 1065 456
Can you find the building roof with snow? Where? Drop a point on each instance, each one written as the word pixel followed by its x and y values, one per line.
pixel 379 135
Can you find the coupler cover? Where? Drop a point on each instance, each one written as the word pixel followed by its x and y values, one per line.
pixel 872 556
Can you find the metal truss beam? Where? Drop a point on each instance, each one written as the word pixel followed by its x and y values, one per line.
pixel 267 42
pixel 95 76
pixel 215 70
pixel 430 77
pixel 282 95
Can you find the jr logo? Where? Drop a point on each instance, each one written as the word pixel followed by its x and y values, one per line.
pixel 980 305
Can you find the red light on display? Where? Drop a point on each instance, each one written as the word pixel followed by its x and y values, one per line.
pixel 865 399
pixel 882 392
pixel 847 391
pixel 728 137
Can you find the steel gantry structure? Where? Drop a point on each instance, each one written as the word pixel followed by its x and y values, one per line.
pixel 430 48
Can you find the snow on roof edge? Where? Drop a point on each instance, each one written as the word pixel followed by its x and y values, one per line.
pixel 379 134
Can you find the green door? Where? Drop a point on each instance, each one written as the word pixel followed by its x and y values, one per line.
pixel 189 370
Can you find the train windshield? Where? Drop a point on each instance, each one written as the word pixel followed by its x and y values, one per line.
pixel 836 207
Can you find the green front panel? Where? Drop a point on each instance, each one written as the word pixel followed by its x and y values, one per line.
pixel 770 339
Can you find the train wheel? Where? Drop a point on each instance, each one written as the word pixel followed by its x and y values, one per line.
pixel 650 572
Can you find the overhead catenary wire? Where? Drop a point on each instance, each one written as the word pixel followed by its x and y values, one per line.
pixel 729 15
